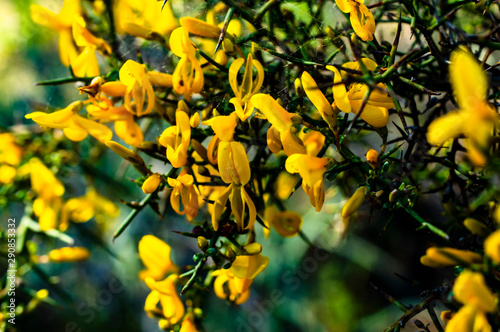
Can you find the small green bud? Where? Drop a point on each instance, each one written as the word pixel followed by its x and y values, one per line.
pixel 211 252
pixel 197 257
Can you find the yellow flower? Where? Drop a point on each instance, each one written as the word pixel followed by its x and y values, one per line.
pixel 75 127
pixel 82 209
pixel 134 76
pixel 475 117
pixel 188 75
pixel 492 246
pixel 239 278
pixel 164 293
pixel 49 191
pixel 211 30
pixel 319 100
pixel 227 286
pixel 375 112
pixel 184 191
pixel 470 289
pixel 176 139
pixel 286 223
pixel 83 37
pixel 444 257
pixel 311 169
pixel 69 255
pixel 62 23
pixel 372 158
pixel 239 199
pixel 144 18
pixel 223 126
pixel 246 268
pixel 129 131
pixel 234 169
pixel 476 227
pixel 151 183
pixel 133 157
pixel 85 64
pixel 233 163
pixel 467 319
pixel 354 203
pixel 188 324
pixel 285 185
pixel 362 19
pixel 103 109
pixel 10 152
pixel 313 141
pixel 249 86
pixel 7 174
pixel 281 121
pixel 200 28
pixel 155 254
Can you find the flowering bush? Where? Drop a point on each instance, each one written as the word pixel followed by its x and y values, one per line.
pixel 224 114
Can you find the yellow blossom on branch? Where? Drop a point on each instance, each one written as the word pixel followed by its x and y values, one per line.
pixel 151 183
pixel 492 246
pixel 49 190
pixel 361 18
pixel 144 18
pixel 281 121
pixel 443 257
pixel 155 254
pixel 349 99
pixel 311 169
pixel 176 139
pixel 285 223
pixel 188 76
pixel 249 86
pixel 164 294
pixel 471 290
pixel 475 118
pixel 10 152
pixel 184 191
pixel 92 204
pixel 75 127
pixel 134 76
pixel 69 255
pixel 62 23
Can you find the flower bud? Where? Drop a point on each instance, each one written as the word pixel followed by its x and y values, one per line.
pixel 354 203
pixel 151 184
pixel 444 257
pixel 129 155
pixel 393 196
pixel 476 227
pixel 202 243
pixel 195 120
pixel 160 79
pixel 200 28
pixel 252 248
pixel 372 158
pixel 114 89
pixel 69 254
pixel 221 57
